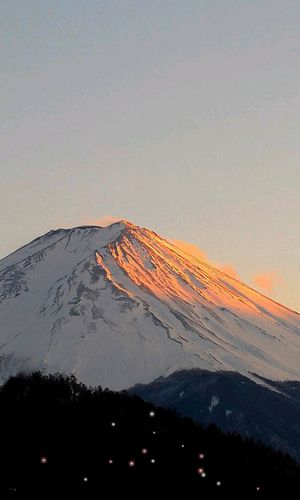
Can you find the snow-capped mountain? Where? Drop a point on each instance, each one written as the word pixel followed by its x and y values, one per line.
pixel 120 305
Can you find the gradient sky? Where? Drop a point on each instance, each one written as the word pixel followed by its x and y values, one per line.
pixel 181 116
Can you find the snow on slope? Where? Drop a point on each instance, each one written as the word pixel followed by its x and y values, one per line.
pixel 120 305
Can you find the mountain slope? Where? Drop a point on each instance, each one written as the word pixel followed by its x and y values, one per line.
pixel 233 403
pixel 120 305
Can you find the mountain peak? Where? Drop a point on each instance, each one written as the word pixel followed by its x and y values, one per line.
pixel 125 222
pixel 118 305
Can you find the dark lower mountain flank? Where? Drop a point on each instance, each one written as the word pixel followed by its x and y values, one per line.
pixel 269 413
pixel 62 440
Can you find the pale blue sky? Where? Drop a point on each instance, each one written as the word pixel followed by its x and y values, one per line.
pixel 182 116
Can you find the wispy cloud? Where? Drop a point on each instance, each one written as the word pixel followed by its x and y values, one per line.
pixel 229 269
pixel 191 249
pixel 268 280
pixel 195 251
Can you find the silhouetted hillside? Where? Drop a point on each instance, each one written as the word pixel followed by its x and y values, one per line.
pixel 61 439
pixel 233 403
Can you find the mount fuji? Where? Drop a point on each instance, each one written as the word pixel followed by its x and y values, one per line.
pixel 120 305
pixel 123 308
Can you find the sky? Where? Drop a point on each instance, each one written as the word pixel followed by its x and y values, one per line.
pixel 182 117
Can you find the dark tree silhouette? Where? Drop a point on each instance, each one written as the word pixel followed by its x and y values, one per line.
pixel 62 439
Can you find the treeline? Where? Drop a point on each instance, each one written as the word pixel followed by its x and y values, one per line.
pixel 62 439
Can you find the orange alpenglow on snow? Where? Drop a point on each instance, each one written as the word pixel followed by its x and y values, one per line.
pixel 195 251
pixel 168 271
pixel 147 307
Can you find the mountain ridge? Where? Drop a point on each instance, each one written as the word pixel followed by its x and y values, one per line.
pixel 269 412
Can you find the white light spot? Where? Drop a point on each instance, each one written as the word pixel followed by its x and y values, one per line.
pixel 131 463
pixel 110 461
pixel 203 474
pixel 144 451
pixel 218 483
pixel 200 470
pixel 257 488
pixel 113 424
pixel 151 414
pixel 85 479
pixel 182 446
pixel 201 456
pixel 154 432
pixel 214 402
pixel 44 460
pixel 152 460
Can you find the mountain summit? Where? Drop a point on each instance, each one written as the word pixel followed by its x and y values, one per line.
pixel 120 305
